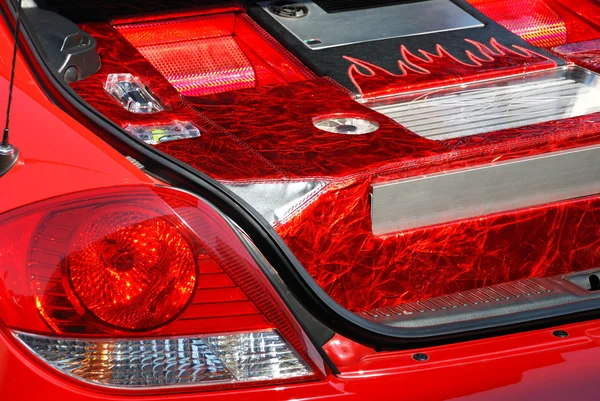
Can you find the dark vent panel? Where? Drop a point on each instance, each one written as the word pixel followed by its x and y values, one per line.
pixel 338 6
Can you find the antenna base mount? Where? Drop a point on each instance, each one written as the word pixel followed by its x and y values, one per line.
pixel 8 158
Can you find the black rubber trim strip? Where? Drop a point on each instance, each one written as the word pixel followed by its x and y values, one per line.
pixel 295 277
pixel 338 6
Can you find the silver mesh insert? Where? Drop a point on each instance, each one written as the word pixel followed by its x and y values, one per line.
pixel 497 104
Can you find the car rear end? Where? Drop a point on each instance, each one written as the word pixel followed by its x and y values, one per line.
pixel 206 204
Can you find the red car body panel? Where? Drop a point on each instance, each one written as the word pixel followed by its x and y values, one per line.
pixel 57 154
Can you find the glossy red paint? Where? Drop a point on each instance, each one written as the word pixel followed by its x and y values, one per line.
pixel 545 23
pixel 535 365
pixel 332 237
pixel 427 70
pixel 57 154
pixel 438 260
pixel 301 150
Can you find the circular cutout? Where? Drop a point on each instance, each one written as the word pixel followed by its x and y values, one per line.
pixel 346 125
pixel 288 9
pixel 560 334
pixel 421 357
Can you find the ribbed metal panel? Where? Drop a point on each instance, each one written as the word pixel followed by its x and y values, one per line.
pixel 526 288
pixel 498 104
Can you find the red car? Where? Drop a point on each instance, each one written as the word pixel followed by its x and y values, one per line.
pixel 305 199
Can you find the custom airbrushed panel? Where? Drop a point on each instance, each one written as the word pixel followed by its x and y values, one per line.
pixel 487 45
pixel 422 70
pixel 216 152
pixel 266 133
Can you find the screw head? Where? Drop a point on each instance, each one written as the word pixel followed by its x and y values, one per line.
pixel 420 357
pixel 560 334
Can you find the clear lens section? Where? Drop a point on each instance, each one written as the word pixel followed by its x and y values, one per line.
pixel 257 356
pixel 132 94
pixel 163 362
pixel 346 125
pixel 155 134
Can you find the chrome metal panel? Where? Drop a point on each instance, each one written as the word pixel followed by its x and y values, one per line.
pixel 471 192
pixel 320 30
pixel 497 104
pixel 277 201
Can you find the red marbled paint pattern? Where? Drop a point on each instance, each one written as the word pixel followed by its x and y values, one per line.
pixel 363 272
pixel 429 70
pixel 278 121
pixel 266 133
pixel 333 238
pixel 585 54
pixel 217 153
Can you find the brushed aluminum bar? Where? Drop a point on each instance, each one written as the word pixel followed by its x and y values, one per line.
pixel 498 187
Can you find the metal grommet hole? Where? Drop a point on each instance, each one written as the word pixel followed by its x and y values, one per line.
pixel 421 357
pixel 345 125
pixel 560 334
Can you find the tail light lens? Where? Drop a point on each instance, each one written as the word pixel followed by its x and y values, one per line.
pixel 142 287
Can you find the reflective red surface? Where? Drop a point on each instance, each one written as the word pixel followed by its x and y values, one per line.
pixel 40 130
pixel 282 130
pixel 533 20
pixel 213 53
pixel 197 55
pixel 545 23
pixel 439 260
pixel 217 153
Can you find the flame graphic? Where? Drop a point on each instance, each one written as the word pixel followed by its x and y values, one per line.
pixel 441 68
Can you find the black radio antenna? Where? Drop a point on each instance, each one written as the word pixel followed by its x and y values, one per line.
pixel 8 153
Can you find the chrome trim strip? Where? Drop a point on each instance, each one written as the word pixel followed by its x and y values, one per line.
pixel 320 30
pixel 497 187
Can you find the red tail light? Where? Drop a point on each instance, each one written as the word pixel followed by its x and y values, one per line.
pixel 126 267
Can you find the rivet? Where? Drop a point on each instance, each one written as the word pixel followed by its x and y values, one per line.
pixel 560 334
pixel 420 357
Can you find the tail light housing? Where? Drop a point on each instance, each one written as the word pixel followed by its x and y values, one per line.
pixel 145 287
